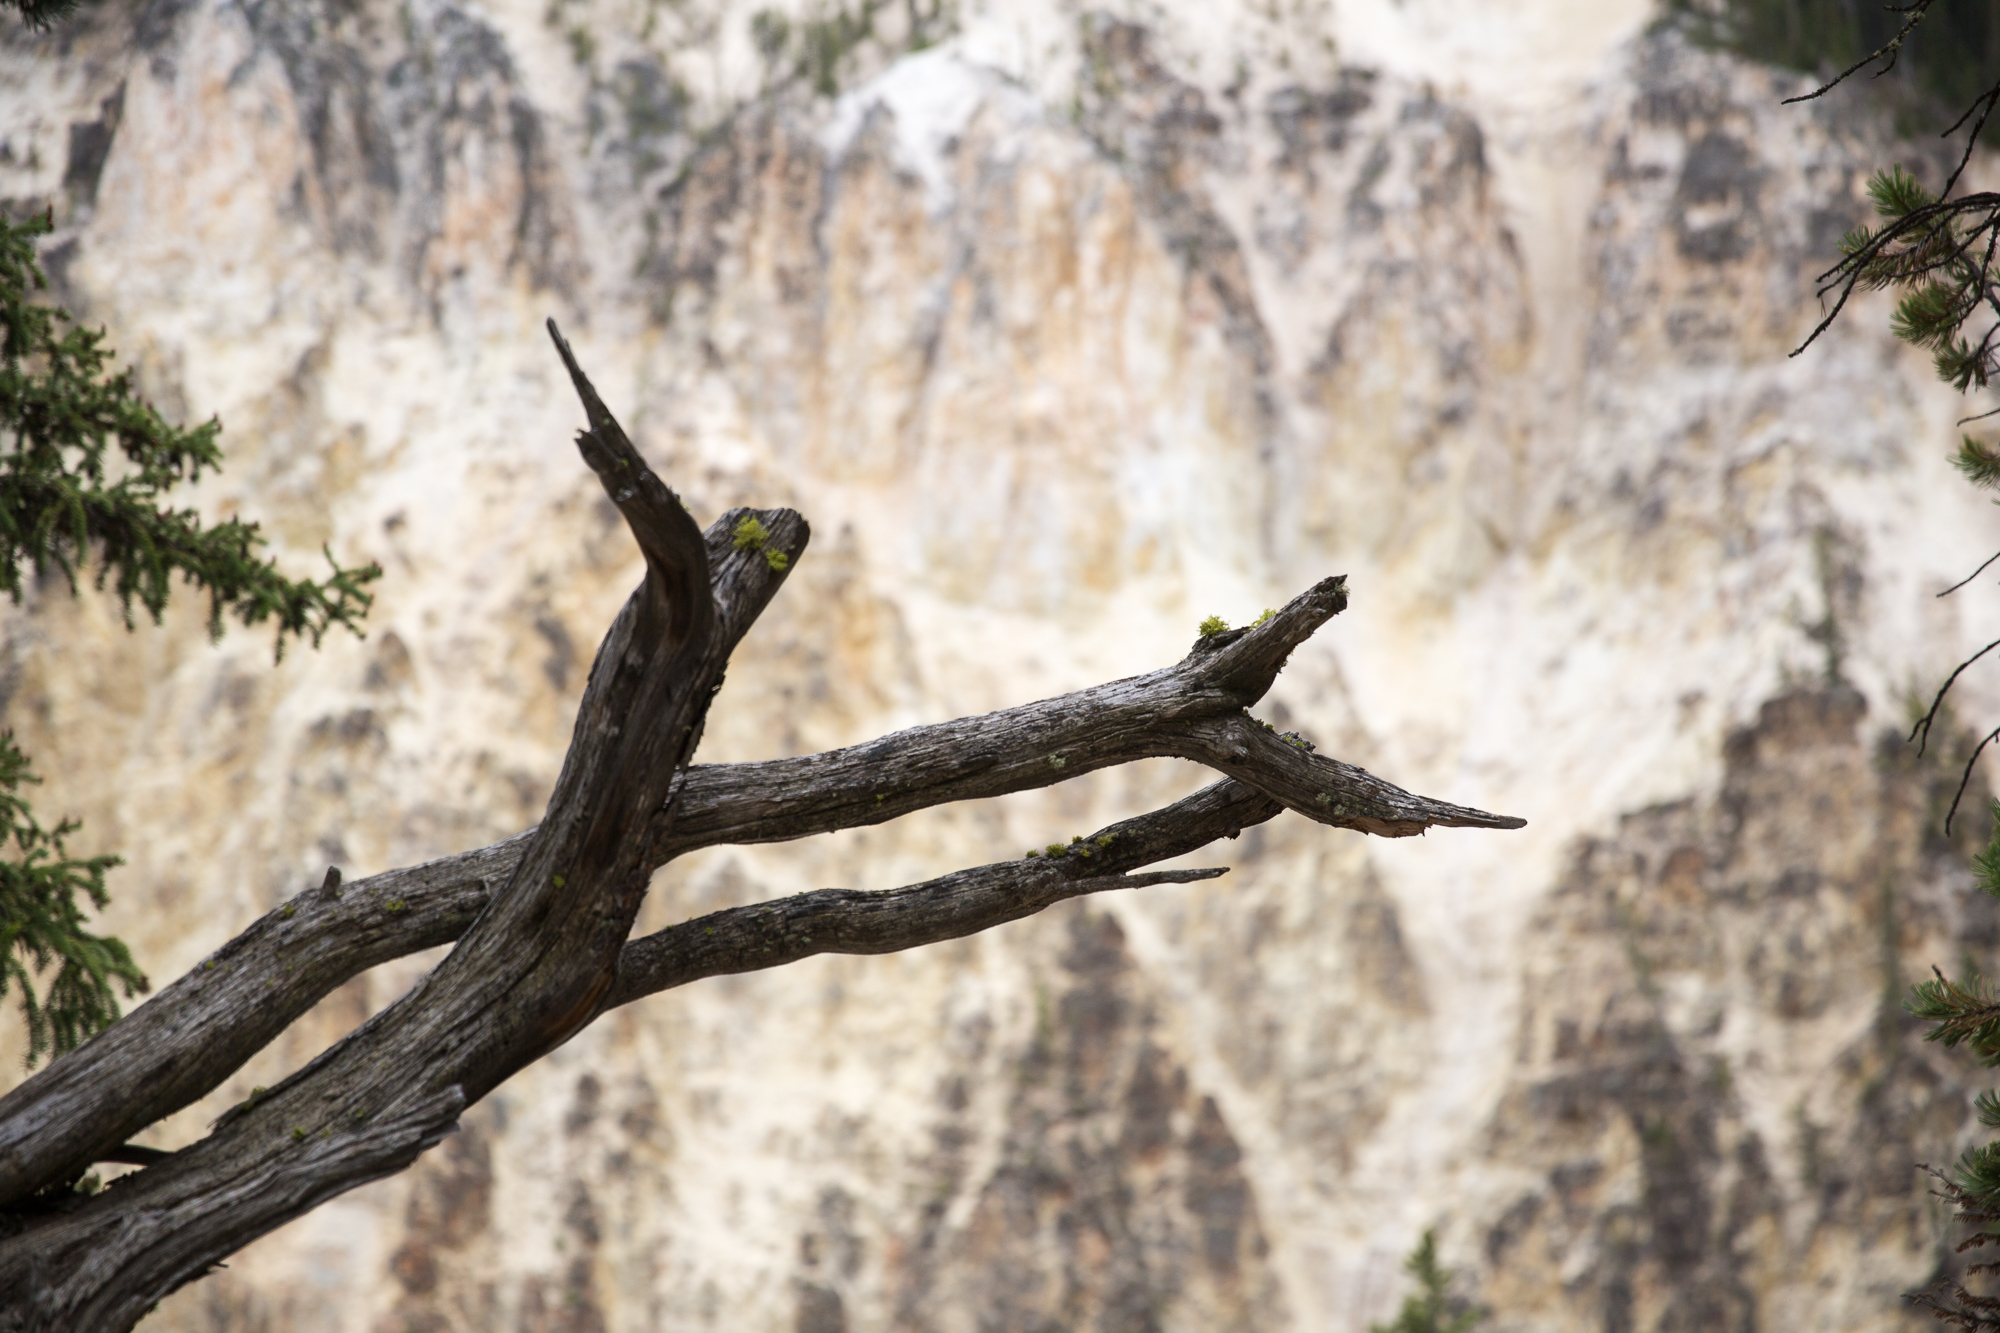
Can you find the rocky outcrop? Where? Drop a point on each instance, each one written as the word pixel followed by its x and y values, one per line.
pixel 1065 330
pixel 1697 1168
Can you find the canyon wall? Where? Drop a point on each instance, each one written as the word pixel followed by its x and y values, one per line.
pixel 1066 328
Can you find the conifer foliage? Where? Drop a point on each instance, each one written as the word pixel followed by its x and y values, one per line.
pixel 41 15
pixel 59 511
pixel 42 924
pixel 1431 1308
pixel 68 503
pixel 1939 251
pixel 1968 1013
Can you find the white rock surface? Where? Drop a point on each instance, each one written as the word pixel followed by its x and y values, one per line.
pixel 1065 332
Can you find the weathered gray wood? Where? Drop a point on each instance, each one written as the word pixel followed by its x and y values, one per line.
pixel 542 919
pixel 1323 790
pixel 771 934
pixel 136 1073
pixel 534 967
pixel 121 1253
pixel 238 999
pixel 146 1067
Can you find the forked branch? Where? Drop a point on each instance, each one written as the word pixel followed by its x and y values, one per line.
pixel 1193 710
pixel 771 934
pixel 533 968
pixel 542 919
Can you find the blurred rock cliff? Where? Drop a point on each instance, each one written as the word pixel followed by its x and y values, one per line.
pixel 1066 328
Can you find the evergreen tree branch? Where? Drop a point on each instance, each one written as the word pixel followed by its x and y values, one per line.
pixel 1887 53
pixel 1939 251
pixel 1920 734
pixel 68 502
pixel 42 924
pixel 41 15
pixel 1965 778
pixel 1983 566
pixel 1430 1308
pixel 1960 1012
pixel 1948 1300
pixel 62 409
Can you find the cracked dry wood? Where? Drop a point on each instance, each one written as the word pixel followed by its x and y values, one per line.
pixel 747 939
pixel 533 967
pixel 542 918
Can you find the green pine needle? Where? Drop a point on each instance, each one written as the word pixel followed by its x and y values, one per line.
pixel 1981 465
pixel 41 924
pixel 41 15
pixel 1960 1012
pixel 1961 365
pixel 1930 315
pixel 1935 259
pixel 1896 193
pixel 1429 1309
pixel 1968 1013
pixel 1978 1175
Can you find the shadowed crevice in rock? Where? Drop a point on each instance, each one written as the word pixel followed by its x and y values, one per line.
pixel 89 146
pixel 1162 132
pixel 820 1310
pixel 414 126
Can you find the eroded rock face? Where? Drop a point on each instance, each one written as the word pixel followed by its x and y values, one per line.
pixel 1117 1199
pixel 1694 1170
pixel 1065 331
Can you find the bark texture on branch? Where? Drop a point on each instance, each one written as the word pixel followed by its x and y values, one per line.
pixel 142 1070
pixel 749 939
pixel 145 1067
pixel 56 1123
pixel 535 965
pixel 542 919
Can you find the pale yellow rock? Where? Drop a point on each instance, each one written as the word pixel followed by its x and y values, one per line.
pixel 1065 332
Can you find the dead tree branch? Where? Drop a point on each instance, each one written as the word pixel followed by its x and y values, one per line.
pixel 542 919
pixel 750 939
pixel 134 1074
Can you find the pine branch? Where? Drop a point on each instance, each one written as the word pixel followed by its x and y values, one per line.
pixel 1948 1299
pixel 1430 1308
pixel 1961 1013
pixel 41 15
pixel 42 924
pixel 62 409
pixel 1979 462
pixel 1986 865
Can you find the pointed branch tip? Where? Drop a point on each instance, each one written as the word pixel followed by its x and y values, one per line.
pixel 593 406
